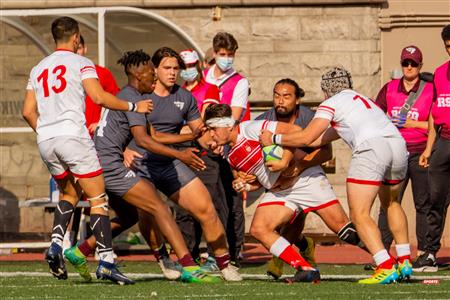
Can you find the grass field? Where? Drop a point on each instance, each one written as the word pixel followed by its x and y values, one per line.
pixel 30 280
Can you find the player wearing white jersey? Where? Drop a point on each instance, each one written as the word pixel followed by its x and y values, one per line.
pixel 378 165
pixel 288 193
pixel 54 108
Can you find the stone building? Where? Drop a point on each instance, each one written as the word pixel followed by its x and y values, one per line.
pixel 277 39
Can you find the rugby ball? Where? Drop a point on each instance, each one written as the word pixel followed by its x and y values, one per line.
pixel 272 152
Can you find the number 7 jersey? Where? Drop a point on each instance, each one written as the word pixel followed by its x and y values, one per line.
pixel 356 118
pixel 57 84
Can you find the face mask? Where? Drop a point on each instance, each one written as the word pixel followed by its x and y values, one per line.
pixel 190 74
pixel 224 63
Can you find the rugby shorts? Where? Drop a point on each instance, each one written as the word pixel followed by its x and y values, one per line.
pixel 64 154
pixel 310 192
pixel 119 179
pixel 168 176
pixel 379 161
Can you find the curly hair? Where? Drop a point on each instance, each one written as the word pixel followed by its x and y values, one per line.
pixel 133 58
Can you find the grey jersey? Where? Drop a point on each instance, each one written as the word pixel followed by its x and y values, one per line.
pixel 113 133
pixel 304 116
pixel 170 113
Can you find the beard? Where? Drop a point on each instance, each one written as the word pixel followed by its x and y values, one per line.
pixel 282 112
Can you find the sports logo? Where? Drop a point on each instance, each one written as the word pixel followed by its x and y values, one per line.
pixel 130 174
pixel 411 50
pixel 179 104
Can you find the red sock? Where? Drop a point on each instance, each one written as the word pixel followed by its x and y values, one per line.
pixel 187 261
pixel 223 261
pixel 401 259
pixel 160 252
pixel 293 258
pixel 388 264
pixel 85 248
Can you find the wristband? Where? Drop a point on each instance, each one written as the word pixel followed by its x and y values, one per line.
pixel 274 136
pixel 130 106
pixel 277 139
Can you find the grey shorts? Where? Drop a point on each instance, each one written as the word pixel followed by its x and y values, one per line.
pixel 119 179
pixel 168 177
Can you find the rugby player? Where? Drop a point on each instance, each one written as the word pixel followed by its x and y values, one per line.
pixel 378 166
pixel 54 108
pixel 294 190
pixel 127 190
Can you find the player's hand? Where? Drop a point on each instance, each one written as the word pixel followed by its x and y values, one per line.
pixel 129 158
pixel 249 178
pixel 265 138
pixel 199 131
pixel 239 185
pixel 424 159
pixel 399 120
pixel 276 165
pixel 144 106
pixel 92 127
pixel 189 157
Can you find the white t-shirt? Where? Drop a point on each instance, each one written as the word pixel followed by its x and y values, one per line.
pixel 240 93
pixel 356 118
pixel 246 155
pixel 57 84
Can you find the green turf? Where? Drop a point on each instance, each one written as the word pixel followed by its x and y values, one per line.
pixel 39 287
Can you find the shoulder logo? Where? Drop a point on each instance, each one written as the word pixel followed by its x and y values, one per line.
pixel 179 104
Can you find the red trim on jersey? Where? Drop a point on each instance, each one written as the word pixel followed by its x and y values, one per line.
pixel 326 107
pixel 359 181
pixel 392 181
pixel 62 175
pixel 265 124
pixel 329 203
pixel 89 175
pixel 282 203
pixel 61 49
pixel 83 69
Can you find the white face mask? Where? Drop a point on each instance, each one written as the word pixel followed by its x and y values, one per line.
pixel 190 74
pixel 224 63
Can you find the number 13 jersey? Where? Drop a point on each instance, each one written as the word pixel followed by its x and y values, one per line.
pixel 356 118
pixel 57 84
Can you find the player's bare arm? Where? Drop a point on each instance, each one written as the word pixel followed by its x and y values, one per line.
pixel 187 156
pixel 170 138
pixel 29 110
pixel 299 138
pixel 101 97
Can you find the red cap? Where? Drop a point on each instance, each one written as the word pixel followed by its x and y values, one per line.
pixel 413 53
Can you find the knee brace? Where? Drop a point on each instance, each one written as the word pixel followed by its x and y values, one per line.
pixel 104 205
pixel 349 235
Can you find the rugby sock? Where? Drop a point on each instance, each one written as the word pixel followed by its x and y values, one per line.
pixel 187 261
pixel 160 252
pixel 85 248
pixel 383 260
pixel 223 261
pixel 101 227
pixel 403 252
pixel 63 213
pixel 282 249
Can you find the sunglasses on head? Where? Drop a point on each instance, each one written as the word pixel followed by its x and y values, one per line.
pixel 411 63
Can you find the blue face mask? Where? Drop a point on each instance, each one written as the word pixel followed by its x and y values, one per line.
pixel 190 74
pixel 224 63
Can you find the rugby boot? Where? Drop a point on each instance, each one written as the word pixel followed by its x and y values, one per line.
pixel 55 261
pixel 210 266
pixel 312 275
pixel 194 274
pixel 382 276
pixel 109 271
pixel 170 269
pixel 79 261
pixel 405 270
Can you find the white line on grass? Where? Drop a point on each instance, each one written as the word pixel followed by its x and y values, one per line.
pixel 246 276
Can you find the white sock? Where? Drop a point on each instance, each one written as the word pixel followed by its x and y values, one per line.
pixel 381 256
pixel 279 246
pixel 402 250
pixel 107 256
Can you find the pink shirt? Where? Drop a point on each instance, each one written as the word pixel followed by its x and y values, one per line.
pixel 441 105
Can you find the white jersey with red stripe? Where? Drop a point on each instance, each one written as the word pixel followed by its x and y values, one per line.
pixel 247 156
pixel 57 84
pixel 356 118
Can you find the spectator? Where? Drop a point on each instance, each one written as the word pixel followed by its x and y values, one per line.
pixel 407 102
pixel 436 157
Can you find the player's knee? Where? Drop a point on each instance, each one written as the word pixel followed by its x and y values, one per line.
pixel 100 201
pixel 349 235
pixel 258 230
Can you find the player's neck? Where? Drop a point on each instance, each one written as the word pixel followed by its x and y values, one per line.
pixel 162 90
pixel 217 72
pixel 233 136
pixel 191 85
pixel 65 46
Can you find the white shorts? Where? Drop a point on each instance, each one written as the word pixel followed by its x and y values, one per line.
pixel 70 153
pixel 379 161
pixel 310 192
